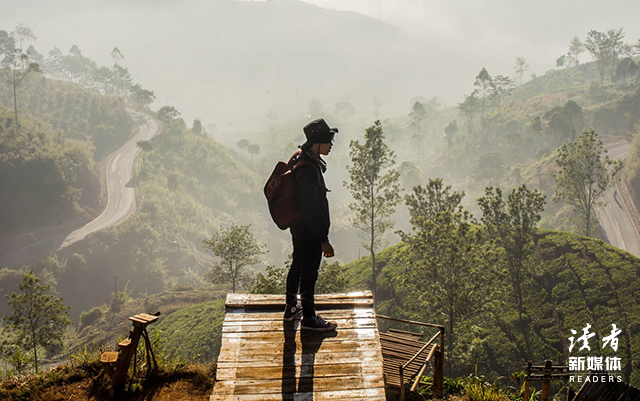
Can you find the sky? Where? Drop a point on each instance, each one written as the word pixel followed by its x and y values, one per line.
pixel 459 37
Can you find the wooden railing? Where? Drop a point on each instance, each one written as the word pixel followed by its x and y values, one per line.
pixel 403 351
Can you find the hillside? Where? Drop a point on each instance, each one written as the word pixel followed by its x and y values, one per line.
pixel 572 281
pixel 48 173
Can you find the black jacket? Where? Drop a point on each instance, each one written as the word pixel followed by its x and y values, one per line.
pixel 310 199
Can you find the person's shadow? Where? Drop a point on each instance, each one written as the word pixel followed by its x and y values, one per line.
pixel 311 343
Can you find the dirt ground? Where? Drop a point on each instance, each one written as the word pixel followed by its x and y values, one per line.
pixel 188 384
pixel 182 390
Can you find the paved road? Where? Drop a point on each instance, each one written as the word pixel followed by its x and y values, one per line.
pixel 121 204
pixel 615 219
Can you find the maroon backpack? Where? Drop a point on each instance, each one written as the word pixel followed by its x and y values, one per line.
pixel 279 193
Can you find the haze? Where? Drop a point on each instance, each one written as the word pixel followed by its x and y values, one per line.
pixel 230 72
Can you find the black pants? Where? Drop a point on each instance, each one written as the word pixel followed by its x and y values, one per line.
pixel 307 255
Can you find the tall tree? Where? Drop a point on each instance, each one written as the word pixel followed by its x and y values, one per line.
pixel 377 103
pixel 443 259
pixel 584 176
pixel 450 132
pixel 344 109
pixel 315 108
pixel 575 49
pixel 18 73
pixel 236 248
pixel 511 225
pixel 485 88
pixel 38 319
pixel 502 87
pixel 521 67
pixel 116 55
pixel 375 190
pixel 617 45
pixel 469 108
pixel 598 45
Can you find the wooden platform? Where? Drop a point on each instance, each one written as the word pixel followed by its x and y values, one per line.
pixel 264 358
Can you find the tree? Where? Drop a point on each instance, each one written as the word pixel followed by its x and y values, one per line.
pixel 469 108
pixel 426 203
pixel 617 46
pixel 38 319
pixel 562 60
pixel 116 55
pixel 597 44
pixel 146 147
pixel 236 248
pixel 564 122
pixel 511 225
pixel 521 67
pixel 21 34
pixel 167 113
pixel 502 87
pixel 375 190
pixel 450 132
pixel 376 106
pixel 243 144
pixel 418 114
pixel 573 55
pixel 142 96
pixel 253 150
pixel 485 89
pixel 315 108
pixel 344 109
pixel 19 74
pixel 584 176
pixel 443 258
pixel 197 126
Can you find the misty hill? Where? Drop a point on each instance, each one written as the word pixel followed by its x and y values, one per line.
pixel 47 173
pixel 231 61
pixel 190 187
pixel 574 280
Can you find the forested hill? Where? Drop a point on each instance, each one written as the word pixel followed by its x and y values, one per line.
pixel 568 281
pixel 47 171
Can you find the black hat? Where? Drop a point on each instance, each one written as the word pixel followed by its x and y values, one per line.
pixel 318 131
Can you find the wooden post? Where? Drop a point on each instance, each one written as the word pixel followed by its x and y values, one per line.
pixel 571 394
pixel 401 384
pixel 546 381
pixel 526 381
pixel 438 367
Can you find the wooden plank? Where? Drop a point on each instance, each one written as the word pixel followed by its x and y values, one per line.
pixel 278 386
pixel 264 358
pixel 375 393
pixel 331 314
pixel 299 371
pixel 109 357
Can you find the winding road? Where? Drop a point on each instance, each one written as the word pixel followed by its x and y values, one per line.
pixel 120 205
pixel 616 219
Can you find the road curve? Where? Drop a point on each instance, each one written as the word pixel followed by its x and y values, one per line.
pixel 120 205
pixel 120 181
pixel 615 217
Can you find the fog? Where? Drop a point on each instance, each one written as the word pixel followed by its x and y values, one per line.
pixel 229 63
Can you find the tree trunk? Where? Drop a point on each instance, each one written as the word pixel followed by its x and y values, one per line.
pixel 15 100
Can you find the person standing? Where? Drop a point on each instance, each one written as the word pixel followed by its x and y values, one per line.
pixel 310 234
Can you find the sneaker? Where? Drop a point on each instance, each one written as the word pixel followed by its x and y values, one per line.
pixel 317 323
pixel 291 312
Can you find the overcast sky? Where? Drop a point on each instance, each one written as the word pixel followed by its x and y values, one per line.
pixel 495 32
pixel 462 35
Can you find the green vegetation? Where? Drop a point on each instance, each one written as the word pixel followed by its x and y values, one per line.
pixel 236 249
pixel 374 188
pixel 193 333
pixel 38 319
pixel 569 281
pixel 44 175
pixel 584 176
